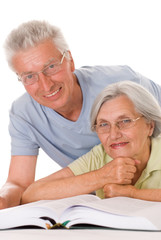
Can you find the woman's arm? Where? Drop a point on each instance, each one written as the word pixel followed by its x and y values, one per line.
pixel 61 184
pixel 65 184
pixel 116 190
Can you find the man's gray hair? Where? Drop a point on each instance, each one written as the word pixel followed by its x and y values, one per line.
pixel 30 34
pixel 144 102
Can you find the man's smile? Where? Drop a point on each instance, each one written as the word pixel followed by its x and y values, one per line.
pixel 53 94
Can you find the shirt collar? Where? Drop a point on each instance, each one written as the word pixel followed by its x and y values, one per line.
pixel 154 162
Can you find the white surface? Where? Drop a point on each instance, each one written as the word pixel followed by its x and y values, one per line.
pixel 78 235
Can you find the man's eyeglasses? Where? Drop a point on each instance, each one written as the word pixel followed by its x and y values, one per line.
pixel 51 69
pixel 105 127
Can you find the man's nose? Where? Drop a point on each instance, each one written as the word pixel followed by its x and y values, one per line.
pixel 45 81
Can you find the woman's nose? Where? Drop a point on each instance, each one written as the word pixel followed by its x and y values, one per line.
pixel 114 132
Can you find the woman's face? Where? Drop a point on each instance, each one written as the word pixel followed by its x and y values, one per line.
pixel 132 142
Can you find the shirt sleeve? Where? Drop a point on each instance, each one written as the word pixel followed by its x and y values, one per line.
pixel 151 86
pixel 91 161
pixel 22 139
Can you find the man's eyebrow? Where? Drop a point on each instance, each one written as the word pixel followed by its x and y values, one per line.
pixel 49 61
pixel 102 120
pixel 25 73
pixel 45 65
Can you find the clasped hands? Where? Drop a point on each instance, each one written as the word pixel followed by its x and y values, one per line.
pixel 118 175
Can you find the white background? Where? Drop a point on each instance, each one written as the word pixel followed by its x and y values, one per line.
pixel 99 32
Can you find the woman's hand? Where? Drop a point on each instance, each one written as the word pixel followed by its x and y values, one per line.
pixel 116 190
pixel 119 171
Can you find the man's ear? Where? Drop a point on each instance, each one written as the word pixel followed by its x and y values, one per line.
pixel 71 61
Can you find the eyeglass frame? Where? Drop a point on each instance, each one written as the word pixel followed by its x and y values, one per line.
pixel 42 71
pixel 116 124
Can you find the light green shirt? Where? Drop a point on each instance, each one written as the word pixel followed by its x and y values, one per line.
pixel 97 158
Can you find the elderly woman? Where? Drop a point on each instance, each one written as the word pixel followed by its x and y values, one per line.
pixel 127 120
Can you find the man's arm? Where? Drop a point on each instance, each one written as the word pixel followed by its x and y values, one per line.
pixel 21 175
pixel 64 184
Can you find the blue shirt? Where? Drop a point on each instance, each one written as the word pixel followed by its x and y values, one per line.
pixel 33 126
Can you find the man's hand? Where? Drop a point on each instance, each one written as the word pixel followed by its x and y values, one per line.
pixel 21 175
pixel 120 171
pixel 116 190
pixel 10 195
pixel 3 203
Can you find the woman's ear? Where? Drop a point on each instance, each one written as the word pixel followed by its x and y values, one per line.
pixel 151 128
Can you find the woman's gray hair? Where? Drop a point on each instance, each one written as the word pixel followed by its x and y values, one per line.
pixel 30 34
pixel 144 102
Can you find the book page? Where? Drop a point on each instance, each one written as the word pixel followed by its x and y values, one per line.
pixel 58 206
pixel 31 213
pixel 130 207
pixel 85 215
pixel 23 216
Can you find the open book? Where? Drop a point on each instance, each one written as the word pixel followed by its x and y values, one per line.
pixel 88 210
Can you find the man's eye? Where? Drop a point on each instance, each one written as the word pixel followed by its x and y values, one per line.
pixel 51 66
pixel 103 124
pixel 29 76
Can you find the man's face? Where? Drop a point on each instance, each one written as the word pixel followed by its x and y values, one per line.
pixel 55 91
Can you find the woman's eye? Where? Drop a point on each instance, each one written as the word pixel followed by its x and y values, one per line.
pixel 126 121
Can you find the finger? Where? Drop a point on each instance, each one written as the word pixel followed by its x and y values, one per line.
pixel 130 169
pixel 129 176
pixel 126 175
pixel 124 161
pixel 130 161
pixel 126 181
pixel 137 161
